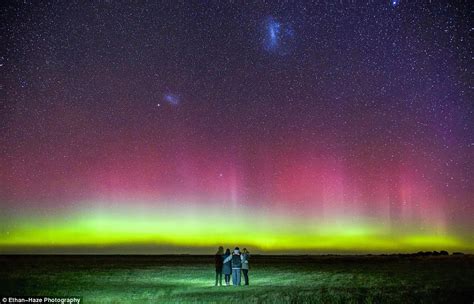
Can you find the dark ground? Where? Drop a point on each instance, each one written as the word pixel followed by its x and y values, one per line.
pixel 274 279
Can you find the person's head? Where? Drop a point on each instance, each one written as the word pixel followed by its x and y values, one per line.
pixel 227 251
pixel 236 250
pixel 245 250
pixel 220 250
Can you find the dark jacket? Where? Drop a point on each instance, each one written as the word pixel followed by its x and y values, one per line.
pixel 236 261
pixel 218 261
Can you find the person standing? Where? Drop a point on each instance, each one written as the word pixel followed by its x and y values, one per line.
pixel 236 266
pixel 227 266
pixel 218 259
pixel 245 265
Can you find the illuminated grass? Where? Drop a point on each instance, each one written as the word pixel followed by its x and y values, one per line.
pixel 138 279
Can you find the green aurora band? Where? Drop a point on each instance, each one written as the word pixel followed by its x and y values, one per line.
pixel 191 226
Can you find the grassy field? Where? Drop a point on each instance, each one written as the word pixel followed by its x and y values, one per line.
pixel 274 279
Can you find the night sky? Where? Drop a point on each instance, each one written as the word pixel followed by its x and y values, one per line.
pixel 335 126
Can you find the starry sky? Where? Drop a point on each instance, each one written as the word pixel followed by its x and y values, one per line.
pixel 177 126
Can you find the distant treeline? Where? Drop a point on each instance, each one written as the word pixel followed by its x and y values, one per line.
pixel 427 253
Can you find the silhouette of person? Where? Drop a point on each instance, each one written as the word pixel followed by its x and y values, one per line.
pixel 245 265
pixel 236 260
pixel 227 267
pixel 219 264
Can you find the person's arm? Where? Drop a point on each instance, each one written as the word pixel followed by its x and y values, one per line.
pixel 227 259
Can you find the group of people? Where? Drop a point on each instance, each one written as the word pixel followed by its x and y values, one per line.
pixel 232 264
